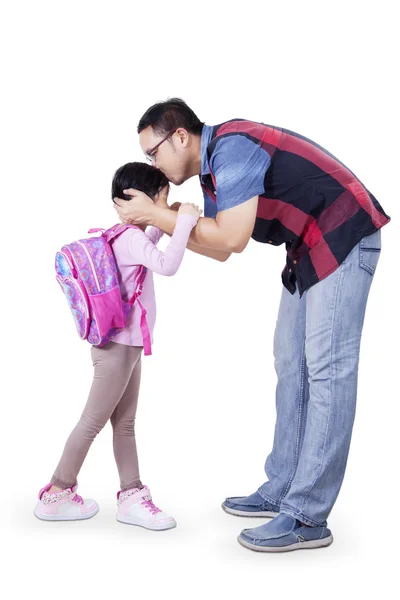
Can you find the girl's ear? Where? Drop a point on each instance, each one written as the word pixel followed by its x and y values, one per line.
pixel 162 197
pixel 164 193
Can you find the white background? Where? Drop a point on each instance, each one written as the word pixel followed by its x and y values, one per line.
pixel 76 78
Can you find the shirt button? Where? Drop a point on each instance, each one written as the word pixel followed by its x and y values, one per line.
pixel 269 241
pixel 295 262
pixel 290 270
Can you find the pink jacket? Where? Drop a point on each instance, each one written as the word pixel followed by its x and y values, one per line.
pixel 135 247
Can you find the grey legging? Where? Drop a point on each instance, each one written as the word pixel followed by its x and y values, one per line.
pixel 113 395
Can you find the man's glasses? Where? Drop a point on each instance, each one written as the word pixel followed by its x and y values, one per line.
pixel 151 154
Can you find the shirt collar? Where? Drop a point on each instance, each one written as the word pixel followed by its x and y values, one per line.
pixel 205 140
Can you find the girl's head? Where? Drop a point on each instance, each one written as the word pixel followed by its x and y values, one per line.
pixel 142 177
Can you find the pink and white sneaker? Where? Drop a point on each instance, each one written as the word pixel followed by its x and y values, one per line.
pixel 136 507
pixel 64 506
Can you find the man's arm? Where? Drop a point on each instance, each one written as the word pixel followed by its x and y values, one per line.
pixel 219 255
pixel 154 234
pixel 229 232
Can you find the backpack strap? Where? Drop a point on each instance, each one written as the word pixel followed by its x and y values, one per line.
pixel 115 231
pixel 110 235
pixel 144 328
pixel 95 230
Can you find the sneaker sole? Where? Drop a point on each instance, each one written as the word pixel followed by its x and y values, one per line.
pixel 299 546
pixel 65 517
pixel 160 527
pixel 245 513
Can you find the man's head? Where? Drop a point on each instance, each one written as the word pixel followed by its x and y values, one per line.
pixel 170 136
pixel 142 177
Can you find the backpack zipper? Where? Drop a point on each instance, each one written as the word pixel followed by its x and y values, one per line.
pixel 91 264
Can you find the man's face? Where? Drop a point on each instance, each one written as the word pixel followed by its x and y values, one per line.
pixel 171 156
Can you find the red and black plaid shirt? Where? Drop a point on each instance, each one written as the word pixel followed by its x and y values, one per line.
pixel 310 200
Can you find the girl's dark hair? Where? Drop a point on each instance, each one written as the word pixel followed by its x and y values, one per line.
pixel 138 176
pixel 165 117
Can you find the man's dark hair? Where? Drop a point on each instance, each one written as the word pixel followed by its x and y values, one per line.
pixel 165 117
pixel 138 176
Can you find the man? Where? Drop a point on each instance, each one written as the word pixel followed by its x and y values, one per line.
pixel 279 187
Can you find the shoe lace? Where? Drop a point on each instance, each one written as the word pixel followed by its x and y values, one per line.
pixel 148 503
pixel 77 499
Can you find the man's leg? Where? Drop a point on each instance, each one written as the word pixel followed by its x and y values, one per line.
pixel 335 316
pixel 291 397
pixel 291 407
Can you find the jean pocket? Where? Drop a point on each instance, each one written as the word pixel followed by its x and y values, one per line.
pixel 370 251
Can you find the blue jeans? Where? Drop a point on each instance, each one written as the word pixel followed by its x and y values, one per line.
pixel 316 349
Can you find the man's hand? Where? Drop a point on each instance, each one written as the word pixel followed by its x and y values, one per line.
pixel 138 211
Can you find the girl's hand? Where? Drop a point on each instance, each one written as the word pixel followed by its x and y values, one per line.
pixel 189 208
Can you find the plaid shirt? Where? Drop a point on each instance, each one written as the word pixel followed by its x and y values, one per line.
pixel 308 199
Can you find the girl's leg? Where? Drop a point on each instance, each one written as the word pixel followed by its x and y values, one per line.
pixel 113 368
pixel 123 423
pixel 135 504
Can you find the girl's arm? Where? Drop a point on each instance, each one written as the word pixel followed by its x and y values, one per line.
pixel 144 252
pixel 154 234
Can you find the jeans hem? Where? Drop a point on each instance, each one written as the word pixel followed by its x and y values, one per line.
pixel 268 498
pixel 301 517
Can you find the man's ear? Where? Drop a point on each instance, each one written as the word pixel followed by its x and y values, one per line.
pixel 184 136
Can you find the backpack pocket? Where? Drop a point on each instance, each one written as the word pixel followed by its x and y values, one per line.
pixel 108 310
pixel 77 301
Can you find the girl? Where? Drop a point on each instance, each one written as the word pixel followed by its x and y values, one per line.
pixel 117 367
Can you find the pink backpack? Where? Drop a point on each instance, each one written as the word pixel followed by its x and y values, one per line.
pixel 88 276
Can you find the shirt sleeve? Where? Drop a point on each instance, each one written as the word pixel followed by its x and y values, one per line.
pixel 239 166
pixel 144 252
pixel 154 234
